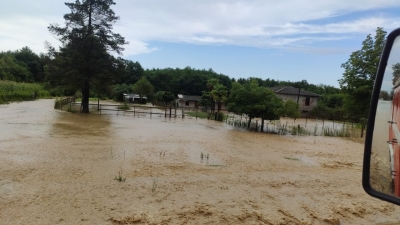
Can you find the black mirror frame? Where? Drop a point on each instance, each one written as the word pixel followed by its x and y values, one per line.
pixel 371 121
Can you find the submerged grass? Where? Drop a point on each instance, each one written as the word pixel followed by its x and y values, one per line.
pixel 120 178
pixel 292 158
pixel 124 107
pixel 204 115
pixel 90 99
pixel 201 115
pixel 276 127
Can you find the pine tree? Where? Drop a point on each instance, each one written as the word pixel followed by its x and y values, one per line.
pixel 84 60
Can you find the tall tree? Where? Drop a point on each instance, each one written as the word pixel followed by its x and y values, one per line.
pixel 83 59
pixel 255 101
pixel 133 72
pixel 384 95
pixel 11 69
pixel 27 57
pixel 359 75
pixel 396 73
pixel 219 94
pixel 143 87
pixel 163 98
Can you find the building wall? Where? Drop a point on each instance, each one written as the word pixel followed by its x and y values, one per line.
pixel 182 103
pixel 304 108
pixel 192 104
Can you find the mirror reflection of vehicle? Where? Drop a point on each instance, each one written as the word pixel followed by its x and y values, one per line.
pixel 381 166
pixel 394 135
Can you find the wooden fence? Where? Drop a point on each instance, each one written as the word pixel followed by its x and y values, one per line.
pixel 117 109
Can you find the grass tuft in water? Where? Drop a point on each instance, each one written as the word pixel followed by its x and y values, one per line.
pixel 120 178
pixel 155 184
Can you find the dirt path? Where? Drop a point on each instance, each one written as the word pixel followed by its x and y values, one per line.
pixel 68 174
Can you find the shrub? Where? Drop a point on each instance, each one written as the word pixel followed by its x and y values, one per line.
pixel 220 116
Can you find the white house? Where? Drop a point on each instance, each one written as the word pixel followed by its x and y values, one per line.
pixel 189 101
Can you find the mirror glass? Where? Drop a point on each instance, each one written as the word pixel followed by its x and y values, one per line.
pixel 385 158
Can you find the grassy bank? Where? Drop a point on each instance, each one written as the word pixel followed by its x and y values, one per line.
pixel 204 115
pixel 12 91
pixel 201 115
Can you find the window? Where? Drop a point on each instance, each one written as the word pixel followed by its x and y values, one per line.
pixel 187 103
pixel 307 101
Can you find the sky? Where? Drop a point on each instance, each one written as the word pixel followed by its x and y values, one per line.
pixel 283 40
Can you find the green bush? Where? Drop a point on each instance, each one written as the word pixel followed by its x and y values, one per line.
pixel 220 116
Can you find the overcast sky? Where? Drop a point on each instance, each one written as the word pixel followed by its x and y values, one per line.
pixel 282 40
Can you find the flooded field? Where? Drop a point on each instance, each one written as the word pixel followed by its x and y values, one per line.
pixel 63 168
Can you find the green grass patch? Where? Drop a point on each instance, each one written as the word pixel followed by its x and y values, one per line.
pixel 12 91
pixel 124 107
pixel 201 115
pixel 204 115
pixel 90 99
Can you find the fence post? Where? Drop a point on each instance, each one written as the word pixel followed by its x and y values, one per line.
pixel 165 110
pixel 98 104
pixel 362 130
pixel 150 112
pixel 183 112
pixel 170 111
pixel 134 111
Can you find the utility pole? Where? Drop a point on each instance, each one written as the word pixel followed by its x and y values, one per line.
pixel 298 96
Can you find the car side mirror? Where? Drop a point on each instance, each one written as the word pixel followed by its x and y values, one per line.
pixel 381 166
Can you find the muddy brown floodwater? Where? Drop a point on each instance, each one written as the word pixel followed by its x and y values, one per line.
pixel 63 168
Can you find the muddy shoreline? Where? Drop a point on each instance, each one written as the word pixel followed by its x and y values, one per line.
pixel 63 168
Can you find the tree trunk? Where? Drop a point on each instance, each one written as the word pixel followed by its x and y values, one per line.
pixel 248 125
pixel 262 124
pixel 85 97
pixel 85 89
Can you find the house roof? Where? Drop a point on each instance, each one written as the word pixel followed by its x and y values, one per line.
pixel 189 97
pixel 288 90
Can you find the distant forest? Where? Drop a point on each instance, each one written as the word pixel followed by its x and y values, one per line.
pixel 24 65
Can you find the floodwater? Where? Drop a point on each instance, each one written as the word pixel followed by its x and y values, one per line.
pixel 69 168
pixel 380 161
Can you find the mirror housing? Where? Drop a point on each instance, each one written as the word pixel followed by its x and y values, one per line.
pixel 366 176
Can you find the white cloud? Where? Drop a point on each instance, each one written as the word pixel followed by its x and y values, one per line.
pixel 137 47
pixel 21 31
pixel 289 24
